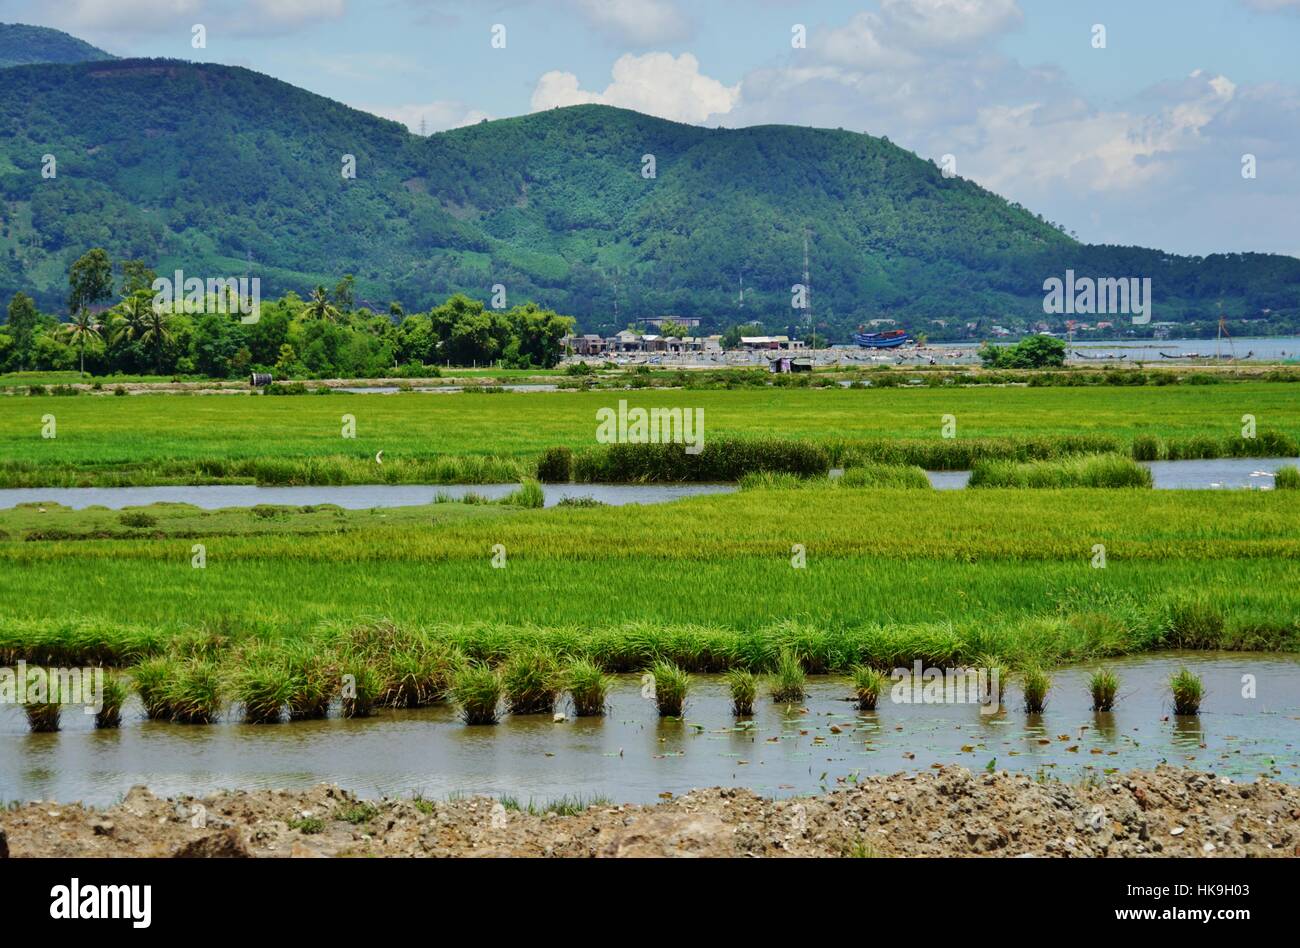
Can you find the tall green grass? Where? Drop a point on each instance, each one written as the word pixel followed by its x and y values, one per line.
pixel 588 685
pixel 1103 685
pixel 1088 470
pixel 868 684
pixel 721 459
pixel 531 679
pixel 477 691
pixel 1035 683
pixel 671 683
pixel 1287 478
pixel 1188 691
pixel 743 686
pixel 789 683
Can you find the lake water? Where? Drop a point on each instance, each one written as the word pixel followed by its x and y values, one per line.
pixel 631 755
pixel 353 497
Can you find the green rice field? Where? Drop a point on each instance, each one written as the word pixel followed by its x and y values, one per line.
pixel 152 439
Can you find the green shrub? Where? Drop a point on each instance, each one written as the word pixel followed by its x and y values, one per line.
pixel 137 518
pixel 555 466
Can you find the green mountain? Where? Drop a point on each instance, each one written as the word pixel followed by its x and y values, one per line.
pixel 21 45
pixel 220 171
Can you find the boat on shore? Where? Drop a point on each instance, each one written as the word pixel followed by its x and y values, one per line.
pixel 881 340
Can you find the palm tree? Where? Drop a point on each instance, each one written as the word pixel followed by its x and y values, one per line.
pixel 130 316
pixel 320 307
pixel 157 333
pixel 81 328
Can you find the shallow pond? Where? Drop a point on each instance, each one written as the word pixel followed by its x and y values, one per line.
pixel 352 497
pixel 633 756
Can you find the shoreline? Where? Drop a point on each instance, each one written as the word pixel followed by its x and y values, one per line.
pixel 947 811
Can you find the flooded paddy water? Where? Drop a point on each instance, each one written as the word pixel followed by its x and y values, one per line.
pixel 631 755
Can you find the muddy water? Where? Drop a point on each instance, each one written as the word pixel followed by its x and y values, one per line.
pixel 354 497
pixel 632 756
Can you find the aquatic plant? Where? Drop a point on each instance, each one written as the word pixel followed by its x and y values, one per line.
pixel 671 683
pixel 789 682
pixel 1147 448
pixel 1036 683
pixel 530 677
pixel 477 690
pixel 588 684
pixel 43 715
pixel 116 691
pixel 527 494
pixel 1087 470
pixel 868 683
pixel 720 459
pixel 361 686
pixel 1188 690
pixel 314 682
pixel 867 474
pixel 195 694
pixel 263 683
pixel 152 677
pixel 743 685
pixel 1103 684
pixel 1287 477
pixel 1193 622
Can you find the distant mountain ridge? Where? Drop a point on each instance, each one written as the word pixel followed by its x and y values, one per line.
pixel 219 170
pixel 22 45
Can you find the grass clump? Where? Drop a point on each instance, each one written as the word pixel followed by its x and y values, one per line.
pixel 1194 623
pixel 116 691
pixel 313 680
pixel 358 813
pixel 477 691
pixel 151 677
pixel 43 715
pixel 195 695
pixel 868 683
pixel 744 689
pixel 671 685
pixel 1103 684
pixel 884 475
pixel 530 677
pixel 789 683
pixel 263 683
pixel 308 826
pixel 1287 478
pixel 588 684
pixel 1188 690
pixel 362 687
pixel 1087 470
pixel 1036 683
pixel 1147 448
pixel 527 494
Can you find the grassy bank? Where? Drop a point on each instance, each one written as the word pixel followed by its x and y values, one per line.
pixel 148 439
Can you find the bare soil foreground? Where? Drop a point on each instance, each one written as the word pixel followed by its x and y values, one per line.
pixel 945 812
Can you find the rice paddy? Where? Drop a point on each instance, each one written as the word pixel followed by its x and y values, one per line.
pixel 179 439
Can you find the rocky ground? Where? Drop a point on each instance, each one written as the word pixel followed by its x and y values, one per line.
pixel 945 812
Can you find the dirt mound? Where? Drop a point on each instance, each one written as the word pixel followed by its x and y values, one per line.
pixel 944 812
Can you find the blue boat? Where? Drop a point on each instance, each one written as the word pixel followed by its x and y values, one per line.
pixel 881 340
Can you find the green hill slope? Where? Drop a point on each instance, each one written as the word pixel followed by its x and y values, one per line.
pixel 207 167
pixel 21 45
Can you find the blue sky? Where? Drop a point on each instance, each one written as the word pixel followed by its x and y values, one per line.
pixel 1140 142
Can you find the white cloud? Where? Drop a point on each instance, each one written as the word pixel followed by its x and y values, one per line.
pixel 639 23
pixel 297 12
pixel 136 16
pixel 661 84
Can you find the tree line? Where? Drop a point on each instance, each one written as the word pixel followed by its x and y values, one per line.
pixel 117 325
